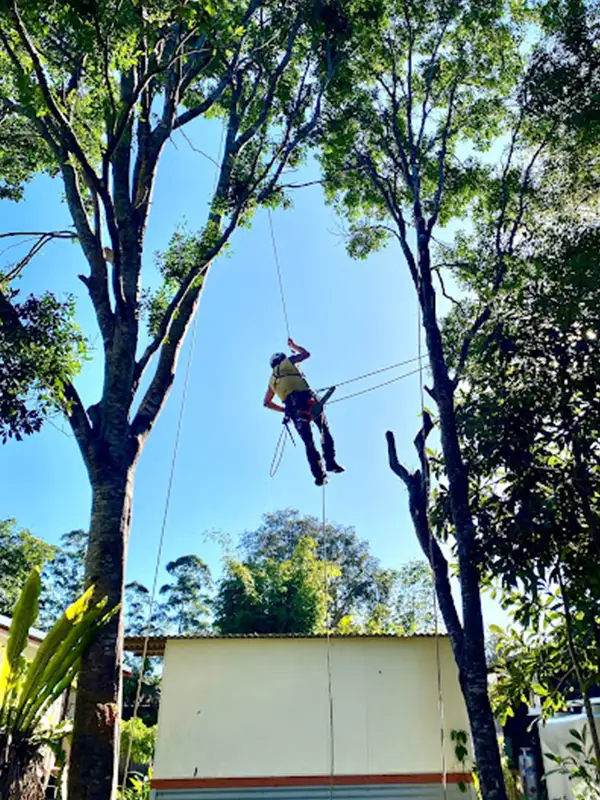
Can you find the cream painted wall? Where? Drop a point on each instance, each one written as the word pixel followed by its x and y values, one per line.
pixel 30 650
pixel 259 707
pixel 55 712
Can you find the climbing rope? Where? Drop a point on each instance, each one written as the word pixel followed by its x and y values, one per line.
pixel 280 448
pixel 375 372
pixel 163 528
pixel 325 538
pixel 440 695
pixel 377 386
pixel 279 278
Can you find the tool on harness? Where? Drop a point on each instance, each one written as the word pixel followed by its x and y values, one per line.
pixel 316 405
pixel 315 408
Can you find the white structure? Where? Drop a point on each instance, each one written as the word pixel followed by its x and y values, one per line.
pixel 555 735
pixel 251 717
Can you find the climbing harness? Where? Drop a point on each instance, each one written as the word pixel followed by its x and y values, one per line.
pixel 280 446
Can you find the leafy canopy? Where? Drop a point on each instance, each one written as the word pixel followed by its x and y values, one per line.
pixel 20 552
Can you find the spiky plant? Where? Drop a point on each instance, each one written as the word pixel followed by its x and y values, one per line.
pixel 28 688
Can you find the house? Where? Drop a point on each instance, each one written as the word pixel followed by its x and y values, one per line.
pixel 34 639
pixel 305 717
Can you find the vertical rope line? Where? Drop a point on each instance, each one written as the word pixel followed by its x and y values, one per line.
pixel 140 683
pixel 279 278
pixel 138 692
pixel 434 602
pixel 329 660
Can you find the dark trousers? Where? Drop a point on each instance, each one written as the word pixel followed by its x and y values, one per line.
pixel 297 408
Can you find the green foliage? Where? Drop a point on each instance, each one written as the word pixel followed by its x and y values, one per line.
pixel 20 552
pixel 63 577
pixel 416 97
pixel 29 688
pixel 360 586
pixel 534 655
pixel 581 766
pixel 412 605
pixel 138 787
pixel 41 348
pixel 186 601
pixel 142 738
pixel 274 596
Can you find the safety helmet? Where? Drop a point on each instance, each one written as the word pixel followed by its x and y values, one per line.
pixel 276 359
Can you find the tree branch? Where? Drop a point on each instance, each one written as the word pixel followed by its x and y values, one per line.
pixel 431 550
pixel 68 134
pixel 97 283
pixel 161 383
pixel 42 240
pixel 274 82
pixel 437 201
pixel 501 251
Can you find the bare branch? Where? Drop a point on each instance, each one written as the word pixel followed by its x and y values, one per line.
pixel 69 136
pixel 97 284
pixel 274 82
pixel 431 550
pixel 438 272
pixel 197 149
pixel 53 234
pixel 437 201
pixel 42 240
pixel 429 70
pixel 395 465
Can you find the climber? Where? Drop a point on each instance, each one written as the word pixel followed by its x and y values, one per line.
pixel 291 387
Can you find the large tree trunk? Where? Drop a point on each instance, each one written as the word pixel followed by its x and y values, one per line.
pixel 94 757
pixel 471 660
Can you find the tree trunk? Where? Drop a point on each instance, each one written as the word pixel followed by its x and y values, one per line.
pixel 471 660
pixel 20 777
pixel 94 759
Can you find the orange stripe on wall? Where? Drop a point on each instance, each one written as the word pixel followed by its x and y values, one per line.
pixel 308 780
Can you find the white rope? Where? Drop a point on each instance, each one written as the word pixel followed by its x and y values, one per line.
pixel 279 278
pixel 161 541
pixel 325 538
pixel 147 630
pixel 433 592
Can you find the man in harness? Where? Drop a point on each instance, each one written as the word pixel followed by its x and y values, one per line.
pixel 291 387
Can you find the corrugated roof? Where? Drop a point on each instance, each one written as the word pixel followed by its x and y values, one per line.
pixel 156 644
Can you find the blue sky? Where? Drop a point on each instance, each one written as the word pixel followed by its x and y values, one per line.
pixel 354 317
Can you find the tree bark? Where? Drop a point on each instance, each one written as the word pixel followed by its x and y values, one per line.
pixel 471 661
pixel 93 769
